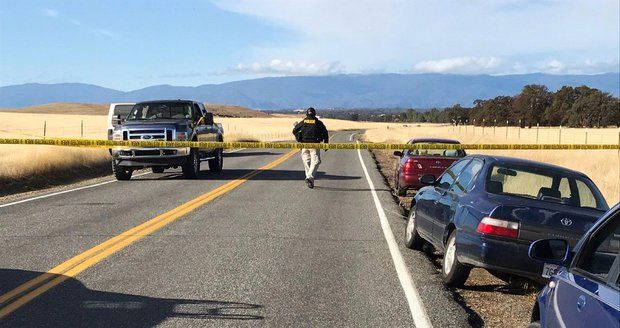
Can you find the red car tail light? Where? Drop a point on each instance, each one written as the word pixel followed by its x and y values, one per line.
pixel 498 227
pixel 409 165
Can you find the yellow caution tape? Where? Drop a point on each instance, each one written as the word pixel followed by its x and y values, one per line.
pixel 101 143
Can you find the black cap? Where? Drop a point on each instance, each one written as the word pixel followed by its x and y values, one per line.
pixel 311 112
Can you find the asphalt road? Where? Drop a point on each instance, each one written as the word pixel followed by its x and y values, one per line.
pixel 263 252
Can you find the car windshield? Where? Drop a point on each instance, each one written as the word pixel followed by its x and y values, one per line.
pixel 546 185
pixel 162 110
pixel 437 152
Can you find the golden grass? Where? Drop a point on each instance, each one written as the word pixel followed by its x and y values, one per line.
pixel 603 167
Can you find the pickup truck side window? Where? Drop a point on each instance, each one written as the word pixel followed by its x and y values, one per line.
pixel 599 256
pixel 448 177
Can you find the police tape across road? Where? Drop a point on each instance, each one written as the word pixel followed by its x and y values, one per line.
pixel 102 143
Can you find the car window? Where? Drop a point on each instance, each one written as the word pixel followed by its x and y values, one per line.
pixel 437 152
pixel 466 176
pixel 447 178
pixel 602 250
pixel 586 198
pixel 534 182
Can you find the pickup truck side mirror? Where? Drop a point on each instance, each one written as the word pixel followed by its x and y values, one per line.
pixel 118 119
pixel 208 119
pixel 554 251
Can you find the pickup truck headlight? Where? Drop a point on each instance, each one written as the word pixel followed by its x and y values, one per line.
pixel 181 136
pixel 117 135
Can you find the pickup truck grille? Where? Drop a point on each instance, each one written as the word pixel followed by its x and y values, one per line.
pixel 148 134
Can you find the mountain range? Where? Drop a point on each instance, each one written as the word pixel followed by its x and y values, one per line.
pixel 334 91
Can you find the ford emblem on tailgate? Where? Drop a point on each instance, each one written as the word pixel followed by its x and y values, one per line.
pixel 566 221
pixel 146 137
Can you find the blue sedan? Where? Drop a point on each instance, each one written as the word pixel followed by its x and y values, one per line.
pixel 485 211
pixel 586 290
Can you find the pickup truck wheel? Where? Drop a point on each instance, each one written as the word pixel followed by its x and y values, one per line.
pixel 157 169
pixel 217 163
pixel 192 166
pixel 121 172
pixel 412 239
pixel 454 273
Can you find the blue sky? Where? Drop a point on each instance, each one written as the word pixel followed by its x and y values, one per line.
pixel 128 45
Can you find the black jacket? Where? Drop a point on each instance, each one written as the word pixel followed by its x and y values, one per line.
pixel 311 129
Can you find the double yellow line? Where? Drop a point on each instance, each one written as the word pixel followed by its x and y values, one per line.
pixel 29 290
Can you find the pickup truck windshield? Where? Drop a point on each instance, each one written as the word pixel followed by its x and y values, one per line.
pixel 544 185
pixel 163 110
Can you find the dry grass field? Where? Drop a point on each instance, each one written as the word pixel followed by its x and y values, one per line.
pixel 602 166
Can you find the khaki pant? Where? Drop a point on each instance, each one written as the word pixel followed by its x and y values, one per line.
pixel 312 160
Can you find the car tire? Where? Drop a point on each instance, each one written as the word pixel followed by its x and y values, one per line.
pixel 191 168
pixel 412 238
pixel 217 163
pixel 454 273
pixel 121 172
pixel 157 169
pixel 401 192
pixel 534 324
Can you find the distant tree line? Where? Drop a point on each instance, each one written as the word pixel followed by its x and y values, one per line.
pixel 535 104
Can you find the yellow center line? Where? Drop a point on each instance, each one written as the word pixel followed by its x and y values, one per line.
pixel 31 289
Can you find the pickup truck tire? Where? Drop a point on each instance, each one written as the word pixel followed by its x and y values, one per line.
pixel 191 168
pixel 157 169
pixel 217 163
pixel 454 273
pixel 412 238
pixel 120 172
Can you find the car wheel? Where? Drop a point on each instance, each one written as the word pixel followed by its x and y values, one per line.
pixel 157 169
pixel 121 172
pixel 412 239
pixel 454 273
pixel 191 168
pixel 401 192
pixel 217 163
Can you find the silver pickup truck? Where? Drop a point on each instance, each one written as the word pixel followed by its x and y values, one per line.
pixel 170 120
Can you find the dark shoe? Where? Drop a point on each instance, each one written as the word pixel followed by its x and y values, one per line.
pixel 310 183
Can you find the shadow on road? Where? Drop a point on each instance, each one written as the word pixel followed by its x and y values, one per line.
pixel 346 189
pixel 232 174
pixel 71 304
pixel 253 153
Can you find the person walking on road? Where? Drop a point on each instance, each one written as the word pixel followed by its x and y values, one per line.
pixel 311 130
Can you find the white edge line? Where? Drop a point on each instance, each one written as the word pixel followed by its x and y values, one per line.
pixel 418 313
pixel 81 188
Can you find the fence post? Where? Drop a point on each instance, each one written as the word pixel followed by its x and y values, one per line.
pixel 560 136
pixel 506 130
pixel 44 129
pixel 82 129
pixel 586 136
pixel 519 130
pixel 474 127
pixel 494 124
pixel 537 126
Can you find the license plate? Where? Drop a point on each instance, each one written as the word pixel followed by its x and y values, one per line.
pixel 549 270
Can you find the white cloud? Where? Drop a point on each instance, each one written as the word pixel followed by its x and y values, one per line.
pixel 588 66
pixel 52 13
pixel 287 67
pixel 394 34
pixel 103 32
pixel 462 65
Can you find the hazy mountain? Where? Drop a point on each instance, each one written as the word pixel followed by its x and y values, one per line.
pixel 337 91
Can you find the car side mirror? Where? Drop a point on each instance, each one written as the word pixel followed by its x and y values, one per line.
pixel 398 153
pixel 208 119
pixel 428 180
pixel 119 119
pixel 554 251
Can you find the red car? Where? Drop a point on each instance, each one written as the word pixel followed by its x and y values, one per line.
pixel 415 163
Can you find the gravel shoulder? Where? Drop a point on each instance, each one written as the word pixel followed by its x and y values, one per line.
pixel 489 301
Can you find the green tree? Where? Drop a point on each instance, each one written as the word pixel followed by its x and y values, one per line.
pixel 531 103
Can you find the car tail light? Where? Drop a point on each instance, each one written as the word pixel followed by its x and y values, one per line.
pixel 409 165
pixel 498 227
